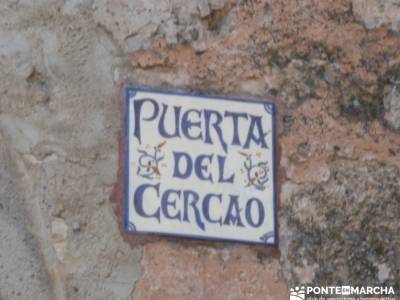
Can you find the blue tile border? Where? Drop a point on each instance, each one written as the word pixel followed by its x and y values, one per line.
pixel 131 228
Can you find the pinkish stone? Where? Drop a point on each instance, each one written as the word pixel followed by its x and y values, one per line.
pixel 173 271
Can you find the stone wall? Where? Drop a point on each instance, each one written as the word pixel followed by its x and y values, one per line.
pixel 331 66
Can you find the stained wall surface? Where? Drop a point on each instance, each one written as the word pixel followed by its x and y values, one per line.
pixel 332 67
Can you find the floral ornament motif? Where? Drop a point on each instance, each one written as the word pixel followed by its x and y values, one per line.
pixel 131 227
pixel 257 173
pixel 268 236
pixel 149 162
pixel 269 108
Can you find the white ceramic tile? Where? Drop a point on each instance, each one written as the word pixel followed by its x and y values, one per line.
pixel 200 167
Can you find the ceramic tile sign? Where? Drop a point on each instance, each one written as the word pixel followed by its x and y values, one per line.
pixel 200 167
